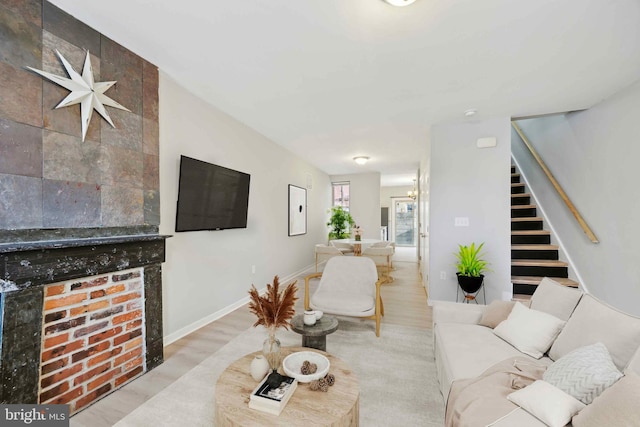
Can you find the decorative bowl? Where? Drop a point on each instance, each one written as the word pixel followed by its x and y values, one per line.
pixel 293 362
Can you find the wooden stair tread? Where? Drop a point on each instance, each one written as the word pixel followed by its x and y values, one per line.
pixel 515 174
pixel 538 263
pixel 530 232
pixel 517 184
pixel 522 298
pixel 523 206
pixel 535 280
pixel 534 247
pixel 527 219
pixel 521 195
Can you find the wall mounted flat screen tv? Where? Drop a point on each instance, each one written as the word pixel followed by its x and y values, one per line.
pixel 211 197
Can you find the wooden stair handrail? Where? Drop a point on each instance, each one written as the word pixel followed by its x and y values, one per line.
pixel 555 184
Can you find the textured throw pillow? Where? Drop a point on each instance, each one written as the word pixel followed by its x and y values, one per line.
pixel 584 373
pixel 547 403
pixel 594 321
pixel 495 313
pixel 530 331
pixel 619 405
pixel 555 299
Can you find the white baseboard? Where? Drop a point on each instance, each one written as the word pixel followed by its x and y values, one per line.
pixel 183 332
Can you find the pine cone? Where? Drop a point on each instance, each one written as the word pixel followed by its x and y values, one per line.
pixel 330 379
pixel 322 385
pixel 314 385
pixel 305 369
pixel 313 368
pixel 306 363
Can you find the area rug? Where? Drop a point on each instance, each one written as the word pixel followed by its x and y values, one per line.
pixel 398 385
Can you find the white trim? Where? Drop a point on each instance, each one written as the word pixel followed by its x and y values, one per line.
pixel 183 332
pixel 553 230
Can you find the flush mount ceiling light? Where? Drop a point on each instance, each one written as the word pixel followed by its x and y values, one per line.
pixel 400 3
pixel 361 160
pixel 470 113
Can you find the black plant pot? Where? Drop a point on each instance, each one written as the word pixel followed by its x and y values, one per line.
pixel 470 284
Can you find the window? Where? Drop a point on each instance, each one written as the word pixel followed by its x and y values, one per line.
pixel 341 194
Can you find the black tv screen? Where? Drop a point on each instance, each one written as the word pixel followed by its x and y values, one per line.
pixel 211 197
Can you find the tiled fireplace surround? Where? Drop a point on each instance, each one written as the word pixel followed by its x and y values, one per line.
pixel 81 316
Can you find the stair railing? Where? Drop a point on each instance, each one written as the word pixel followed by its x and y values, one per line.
pixel 556 185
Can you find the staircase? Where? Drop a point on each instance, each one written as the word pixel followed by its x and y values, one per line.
pixel 532 254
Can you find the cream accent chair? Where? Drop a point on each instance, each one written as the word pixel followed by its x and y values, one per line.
pixel 345 248
pixel 382 258
pixel 324 252
pixel 349 286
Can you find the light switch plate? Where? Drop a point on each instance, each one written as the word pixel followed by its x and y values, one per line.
pixel 487 142
pixel 461 222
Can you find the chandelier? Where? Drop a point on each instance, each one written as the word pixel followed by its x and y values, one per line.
pixel 413 193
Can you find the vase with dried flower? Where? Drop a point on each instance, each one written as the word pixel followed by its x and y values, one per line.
pixel 274 309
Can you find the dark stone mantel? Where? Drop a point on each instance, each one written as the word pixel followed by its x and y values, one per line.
pixel 37 263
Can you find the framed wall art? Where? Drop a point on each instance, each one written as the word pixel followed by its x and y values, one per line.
pixel 297 210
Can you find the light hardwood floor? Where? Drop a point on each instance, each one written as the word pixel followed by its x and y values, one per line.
pixel 405 303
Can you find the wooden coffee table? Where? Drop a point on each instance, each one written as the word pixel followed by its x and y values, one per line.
pixel 338 407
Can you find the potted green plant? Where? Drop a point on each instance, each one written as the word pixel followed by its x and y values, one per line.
pixel 470 266
pixel 340 221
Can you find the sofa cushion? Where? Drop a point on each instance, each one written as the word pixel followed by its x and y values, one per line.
pixel 547 403
pixel 495 313
pixel 530 331
pixel 584 373
pixel 616 406
pixel 466 351
pixel 594 321
pixel 555 299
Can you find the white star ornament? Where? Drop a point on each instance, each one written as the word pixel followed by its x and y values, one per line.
pixel 84 91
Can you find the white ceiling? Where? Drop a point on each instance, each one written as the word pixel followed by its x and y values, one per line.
pixel 333 79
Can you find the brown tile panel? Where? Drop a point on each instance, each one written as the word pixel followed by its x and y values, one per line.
pixel 73 54
pixel 20 149
pixel 128 130
pixel 20 40
pixel 29 10
pixel 20 202
pixel 125 67
pixel 21 95
pixel 120 166
pixel 70 204
pixel 122 206
pixel 150 91
pixel 151 172
pixel 67 158
pixel 150 136
pixel 65 26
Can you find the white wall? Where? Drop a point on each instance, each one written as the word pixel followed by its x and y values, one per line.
pixel 466 181
pixel 208 273
pixel 594 155
pixel 364 201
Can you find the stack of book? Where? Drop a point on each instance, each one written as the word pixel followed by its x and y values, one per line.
pixel 270 399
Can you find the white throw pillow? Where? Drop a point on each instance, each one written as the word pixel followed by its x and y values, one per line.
pixel 530 331
pixel 547 403
pixel 584 373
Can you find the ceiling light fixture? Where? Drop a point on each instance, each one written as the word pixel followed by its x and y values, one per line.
pixel 470 113
pixel 400 3
pixel 361 160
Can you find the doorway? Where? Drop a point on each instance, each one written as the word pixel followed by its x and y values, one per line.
pixel 405 221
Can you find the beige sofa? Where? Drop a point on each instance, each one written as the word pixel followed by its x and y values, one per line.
pixel 465 349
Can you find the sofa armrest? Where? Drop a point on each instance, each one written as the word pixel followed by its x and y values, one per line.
pixel 452 312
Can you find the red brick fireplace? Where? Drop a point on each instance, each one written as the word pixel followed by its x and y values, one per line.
pixel 92 337
pixel 80 317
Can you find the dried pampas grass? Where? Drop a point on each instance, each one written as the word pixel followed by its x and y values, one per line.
pixel 275 308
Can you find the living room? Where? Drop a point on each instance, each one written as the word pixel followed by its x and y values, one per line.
pixel 207 275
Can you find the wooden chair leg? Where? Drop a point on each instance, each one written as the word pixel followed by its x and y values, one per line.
pixel 381 307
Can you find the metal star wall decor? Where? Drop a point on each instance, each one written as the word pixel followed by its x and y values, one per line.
pixel 84 91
